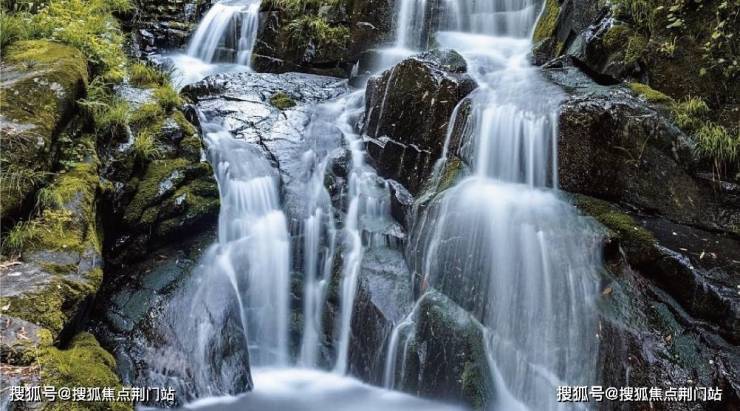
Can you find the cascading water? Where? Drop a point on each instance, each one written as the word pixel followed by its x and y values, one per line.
pixel 222 42
pixel 524 261
pixel 505 230
pixel 230 25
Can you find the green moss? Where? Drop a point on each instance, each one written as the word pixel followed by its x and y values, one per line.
pixel 145 75
pixel 55 304
pixel 25 352
pixel 649 94
pixel 147 114
pixel 639 242
pixel 187 128
pixel 281 100
pixel 453 170
pixel 167 97
pixel 473 386
pixel 84 364
pixel 636 46
pixel 546 24
pixel 86 25
pixel 159 175
pixel 52 76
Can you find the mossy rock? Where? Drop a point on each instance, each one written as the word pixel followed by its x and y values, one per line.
pixel 59 248
pixel 649 94
pixel 547 23
pixel 282 101
pixel 83 364
pixel 20 341
pixel 638 243
pixel 42 81
pixel 54 304
pixel 162 180
pixel 453 365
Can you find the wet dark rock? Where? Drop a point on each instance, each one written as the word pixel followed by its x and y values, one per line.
pixel 371 25
pixel 131 320
pixel 241 102
pixel 648 340
pixel 614 146
pixel 407 114
pixel 444 356
pixel 164 24
pixel 383 298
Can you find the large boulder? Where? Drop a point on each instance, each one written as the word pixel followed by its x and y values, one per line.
pixel 443 354
pixel 614 146
pixel 42 81
pixel 383 299
pixel 407 112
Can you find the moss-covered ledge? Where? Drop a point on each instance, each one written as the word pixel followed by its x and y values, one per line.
pixel 41 81
pixel 53 260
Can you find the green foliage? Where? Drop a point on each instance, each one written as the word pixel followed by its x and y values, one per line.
pixel 83 364
pixel 14 27
pixel 145 145
pixel 308 27
pixel 47 197
pixel 167 97
pixel 690 113
pixel 15 177
pixel 281 100
pixel 716 144
pixel 22 234
pixel 307 21
pixel 145 75
pixel 88 25
pixel 722 49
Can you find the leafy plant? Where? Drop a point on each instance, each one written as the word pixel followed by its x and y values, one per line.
pixel 714 143
pixel 690 113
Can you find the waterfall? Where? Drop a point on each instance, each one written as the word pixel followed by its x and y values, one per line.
pixel 505 228
pixel 366 223
pixel 530 257
pixel 218 32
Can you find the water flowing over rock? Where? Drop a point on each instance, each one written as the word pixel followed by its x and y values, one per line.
pixel 407 113
pixel 226 33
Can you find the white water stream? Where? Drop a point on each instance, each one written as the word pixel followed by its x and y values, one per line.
pixel 533 257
